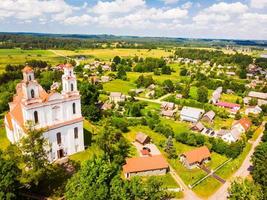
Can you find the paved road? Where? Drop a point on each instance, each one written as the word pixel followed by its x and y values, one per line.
pixel 243 171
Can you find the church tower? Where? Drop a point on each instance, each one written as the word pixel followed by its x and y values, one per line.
pixel 69 82
pixel 30 87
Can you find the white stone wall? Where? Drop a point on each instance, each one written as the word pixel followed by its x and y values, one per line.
pixel 69 144
pixel 147 173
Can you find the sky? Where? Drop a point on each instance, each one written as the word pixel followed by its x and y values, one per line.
pixel 218 19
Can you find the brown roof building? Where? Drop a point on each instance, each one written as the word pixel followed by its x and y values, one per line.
pixel 142 138
pixel 145 166
pixel 195 157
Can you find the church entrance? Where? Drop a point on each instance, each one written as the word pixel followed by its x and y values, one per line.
pixel 60 153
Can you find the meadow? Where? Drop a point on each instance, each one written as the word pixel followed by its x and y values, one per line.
pixel 19 56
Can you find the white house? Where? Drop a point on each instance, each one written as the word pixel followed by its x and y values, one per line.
pixel 117 97
pixel 191 114
pixel 58 113
pixel 255 110
pixel 232 136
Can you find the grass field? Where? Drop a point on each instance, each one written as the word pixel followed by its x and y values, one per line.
pixel 118 85
pixel 108 54
pixel 19 56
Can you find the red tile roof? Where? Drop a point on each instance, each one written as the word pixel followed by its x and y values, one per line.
pixel 245 122
pixel 27 69
pixel 68 65
pixel 227 104
pixel 141 164
pixel 197 155
pixel 9 121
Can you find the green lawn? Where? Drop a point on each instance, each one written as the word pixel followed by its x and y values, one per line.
pixel 19 56
pixel 178 126
pixel 230 98
pixel 118 85
pixel 4 142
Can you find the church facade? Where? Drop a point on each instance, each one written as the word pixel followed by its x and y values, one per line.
pixel 59 114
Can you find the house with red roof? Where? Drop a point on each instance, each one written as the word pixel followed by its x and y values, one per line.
pixel 232 107
pixel 242 125
pixel 58 113
pixel 145 166
pixel 195 157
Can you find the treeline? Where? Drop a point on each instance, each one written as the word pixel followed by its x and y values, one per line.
pixel 259 160
pixel 217 57
pixel 217 145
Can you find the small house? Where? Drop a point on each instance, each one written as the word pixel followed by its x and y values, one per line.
pixel 106 106
pixel 191 114
pixel 168 113
pixel 195 157
pixel 167 106
pixel 116 97
pixel 232 136
pixel 145 166
pixel 105 79
pixel 242 125
pixel 197 127
pixel 209 116
pixel 255 110
pixel 233 107
pixel 142 138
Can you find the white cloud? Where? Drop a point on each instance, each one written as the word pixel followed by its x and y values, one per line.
pixel 117 6
pixel 187 5
pixel 170 1
pixel 31 9
pixel 258 3
pixel 228 8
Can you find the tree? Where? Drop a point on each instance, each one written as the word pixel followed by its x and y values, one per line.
pixel 183 72
pixel 116 60
pixel 186 91
pixel 112 142
pixel 92 181
pixel 91 112
pixel 34 154
pixel 238 115
pixel 121 73
pixel 166 69
pixel 259 171
pixel 168 86
pixel 202 94
pixel 244 190
pixel 9 175
pixel 169 148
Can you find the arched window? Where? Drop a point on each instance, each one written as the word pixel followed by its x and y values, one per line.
pixel 73 108
pixel 59 138
pixel 32 93
pixel 30 77
pixel 36 120
pixel 70 73
pixel 76 132
pixel 71 87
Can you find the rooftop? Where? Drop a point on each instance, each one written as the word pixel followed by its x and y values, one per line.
pixel 141 164
pixel 197 155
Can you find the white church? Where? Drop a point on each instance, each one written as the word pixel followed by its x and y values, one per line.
pixel 59 114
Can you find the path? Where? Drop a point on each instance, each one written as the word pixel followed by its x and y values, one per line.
pixel 158 101
pixel 62 55
pixel 243 171
pixel 188 194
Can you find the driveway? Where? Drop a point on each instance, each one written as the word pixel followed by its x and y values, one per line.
pixel 243 171
pixel 153 148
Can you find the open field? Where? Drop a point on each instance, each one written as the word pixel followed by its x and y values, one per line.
pixel 4 142
pixel 108 54
pixel 118 85
pixel 19 56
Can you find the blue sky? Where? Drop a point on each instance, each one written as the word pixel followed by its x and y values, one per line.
pixel 243 19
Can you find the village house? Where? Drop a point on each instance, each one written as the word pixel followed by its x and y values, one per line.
pixel 116 97
pixel 142 138
pixel 232 107
pixel 197 127
pixel 59 114
pixel 195 157
pixel 262 97
pixel 242 125
pixel 106 106
pixel 209 116
pixel 145 166
pixel 106 68
pixel 191 114
pixel 255 110
pixel 167 106
pixel 105 79
pixel 216 95
pixel 232 135
pixel 230 73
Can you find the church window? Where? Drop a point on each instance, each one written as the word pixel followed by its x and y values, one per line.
pixel 74 108
pixel 76 132
pixel 58 138
pixel 72 87
pixel 32 93
pixel 36 120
